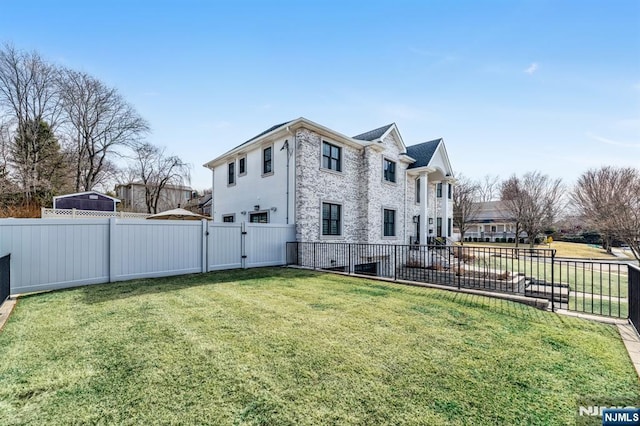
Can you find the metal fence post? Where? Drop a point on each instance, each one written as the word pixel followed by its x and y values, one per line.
pixel 395 259
pixel 314 255
pixel 553 283
pixel 349 251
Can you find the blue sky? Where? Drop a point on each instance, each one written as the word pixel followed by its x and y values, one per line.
pixel 511 86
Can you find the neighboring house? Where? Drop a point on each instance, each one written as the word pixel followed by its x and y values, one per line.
pixel 200 205
pixel 133 197
pixel 369 188
pixel 90 200
pixel 492 222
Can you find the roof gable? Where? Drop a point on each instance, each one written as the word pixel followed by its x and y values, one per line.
pixel 374 134
pixel 423 152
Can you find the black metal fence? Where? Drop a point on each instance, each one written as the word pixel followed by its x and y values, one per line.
pixel 634 296
pixel 5 278
pixel 584 286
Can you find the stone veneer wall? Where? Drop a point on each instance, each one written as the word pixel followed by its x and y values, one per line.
pixel 315 185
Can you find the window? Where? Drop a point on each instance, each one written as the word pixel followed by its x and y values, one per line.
pixel 389 170
pixel 267 160
pixel 449 191
pixel 231 173
pixel 262 217
pixel 418 190
pixel 331 214
pixel 449 227
pixel 439 227
pixel 242 166
pixel 331 157
pixel 439 190
pixel 229 218
pixel 389 227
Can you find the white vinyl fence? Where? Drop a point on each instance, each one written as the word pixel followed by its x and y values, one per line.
pixel 51 254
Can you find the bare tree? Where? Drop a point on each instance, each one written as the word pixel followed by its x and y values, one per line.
pixel 533 202
pixel 609 200
pixel 29 96
pixel 488 188
pixel 98 122
pixel 465 205
pixel 157 171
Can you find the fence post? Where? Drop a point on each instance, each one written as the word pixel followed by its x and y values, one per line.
pixel 112 250
pixel 395 258
pixel 205 245
pixel 314 255
pixel 553 283
pixel 349 251
pixel 243 243
pixel 459 265
pixel 73 213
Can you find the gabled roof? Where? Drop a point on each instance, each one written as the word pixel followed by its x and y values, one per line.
pixel 423 152
pixel 374 134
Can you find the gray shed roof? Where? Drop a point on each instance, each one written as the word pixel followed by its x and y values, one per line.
pixel 422 152
pixel 373 134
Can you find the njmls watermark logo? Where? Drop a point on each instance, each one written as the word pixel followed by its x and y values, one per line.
pixel 608 411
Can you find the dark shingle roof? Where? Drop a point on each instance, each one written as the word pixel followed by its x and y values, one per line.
pixel 422 152
pixel 373 134
pixel 270 129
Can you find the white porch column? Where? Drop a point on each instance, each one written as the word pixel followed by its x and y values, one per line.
pixel 424 207
pixel 444 211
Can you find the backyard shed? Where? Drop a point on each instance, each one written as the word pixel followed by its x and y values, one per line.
pixel 90 200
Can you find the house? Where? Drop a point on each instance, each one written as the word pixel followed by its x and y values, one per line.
pixel 369 188
pixel 132 195
pixel 200 205
pixel 89 200
pixel 492 222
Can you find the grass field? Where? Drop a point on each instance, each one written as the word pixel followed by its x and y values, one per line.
pixel 563 249
pixel 284 347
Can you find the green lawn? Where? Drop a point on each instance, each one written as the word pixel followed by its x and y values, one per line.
pixel 562 248
pixel 281 346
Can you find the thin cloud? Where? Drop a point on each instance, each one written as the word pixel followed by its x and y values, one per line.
pixel 532 68
pixel 612 142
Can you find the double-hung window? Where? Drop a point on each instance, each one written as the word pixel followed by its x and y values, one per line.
pixel 439 190
pixel 242 166
pixel 389 225
pixel 389 170
pixel 331 219
pixel 418 190
pixel 267 160
pixel 331 157
pixel 231 173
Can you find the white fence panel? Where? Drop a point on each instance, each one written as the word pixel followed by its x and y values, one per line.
pixel 49 254
pixel 53 254
pixel 265 244
pixel 224 246
pixel 155 249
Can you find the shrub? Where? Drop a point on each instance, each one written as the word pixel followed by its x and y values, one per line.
pixel 487 239
pixel 511 240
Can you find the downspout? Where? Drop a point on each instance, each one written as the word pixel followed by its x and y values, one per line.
pixel 286 145
pixel 406 178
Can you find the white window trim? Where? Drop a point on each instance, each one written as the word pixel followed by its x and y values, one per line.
pixel 336 144
pixel 273 162
pixel 244 156
pixel 332 237
pixel 235 177
pixel 388 182
pixel 395 223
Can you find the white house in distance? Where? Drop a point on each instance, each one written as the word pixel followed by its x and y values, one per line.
pixel 370 188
